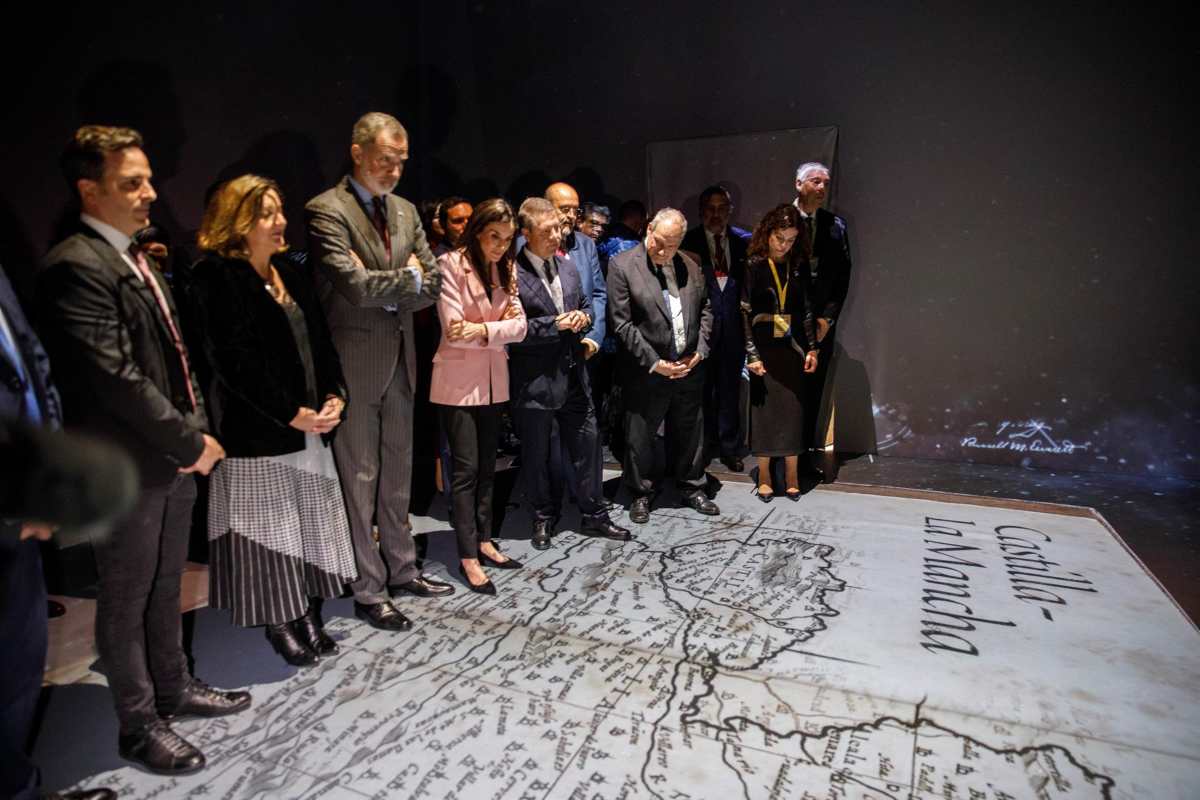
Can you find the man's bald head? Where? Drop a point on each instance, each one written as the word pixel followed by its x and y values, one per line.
pixel 565 200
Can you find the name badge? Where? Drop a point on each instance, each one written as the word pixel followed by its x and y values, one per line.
pixel 783 325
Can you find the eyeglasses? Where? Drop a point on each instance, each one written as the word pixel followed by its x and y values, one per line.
pixel 570 211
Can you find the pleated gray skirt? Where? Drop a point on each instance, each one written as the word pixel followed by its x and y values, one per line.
pixel 278 535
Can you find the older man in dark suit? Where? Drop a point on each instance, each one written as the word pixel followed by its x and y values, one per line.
pixel 661 315
pixel 549 380
pixel 374 268
pixel 110 326
pixel 823 251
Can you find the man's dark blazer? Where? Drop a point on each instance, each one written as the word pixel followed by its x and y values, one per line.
pixel 727 330
pixel 258 378
pixel 638 314
pixel 114 358
pixel 36 366
pixel 584 256
pixel 831 247
pixel 540 365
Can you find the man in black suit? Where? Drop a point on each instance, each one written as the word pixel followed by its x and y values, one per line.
pixel 661 315
pixel 548 378
pixel 110 326
pixel 824 247
pixel 722 252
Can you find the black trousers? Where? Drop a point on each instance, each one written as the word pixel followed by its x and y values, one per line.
pixel 473 432
pixel 138 622
pixel 22 659
pixel 649 401
pixel 814 388
pixel 578 436
pixel 722 398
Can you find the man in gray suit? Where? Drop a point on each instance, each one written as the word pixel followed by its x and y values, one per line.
pixel 373 268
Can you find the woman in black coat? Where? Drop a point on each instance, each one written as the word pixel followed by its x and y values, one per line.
pixel 278 535
pixel 781 351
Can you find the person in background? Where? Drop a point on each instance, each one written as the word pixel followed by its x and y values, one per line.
pixel 479 314
pixel 781 348
pixel 111 329
pixel 452 216
pixel 279 540
pixel 721 249
pixel 594 220
pixel 823 251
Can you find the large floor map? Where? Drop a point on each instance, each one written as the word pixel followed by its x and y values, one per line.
pixel 847 646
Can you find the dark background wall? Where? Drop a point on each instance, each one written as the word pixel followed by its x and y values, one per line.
pixel 1019 180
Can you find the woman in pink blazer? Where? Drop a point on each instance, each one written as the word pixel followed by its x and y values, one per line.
pixel 479 314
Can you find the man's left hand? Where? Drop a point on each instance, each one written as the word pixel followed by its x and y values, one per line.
pixel 590 349
pixel 688 365
pixel 822 328
pixel 41 531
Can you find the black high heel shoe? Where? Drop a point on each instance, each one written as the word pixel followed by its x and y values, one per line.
pixel 765 498
pixel 792 494
pixel 283 638
pixel 511 563
pixel 487 587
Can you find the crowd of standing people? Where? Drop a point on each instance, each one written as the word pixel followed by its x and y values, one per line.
pixel 292 380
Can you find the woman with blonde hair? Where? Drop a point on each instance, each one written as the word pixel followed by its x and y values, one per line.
pixel 479 314
pixel 278 535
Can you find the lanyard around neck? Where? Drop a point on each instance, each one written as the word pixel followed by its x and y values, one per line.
pixel 781 287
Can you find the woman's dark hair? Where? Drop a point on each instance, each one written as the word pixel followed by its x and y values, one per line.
pixel 495 210
pixel 780 217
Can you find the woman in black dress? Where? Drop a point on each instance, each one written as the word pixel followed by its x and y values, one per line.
pixel 279 540
pixel 780 347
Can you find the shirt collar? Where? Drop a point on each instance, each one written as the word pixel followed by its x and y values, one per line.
pixel 534 259
pixel 118 240
pixel 710 235
pixel 365 196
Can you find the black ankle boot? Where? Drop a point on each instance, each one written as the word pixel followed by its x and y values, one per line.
pixel 312 633
pixel 295 652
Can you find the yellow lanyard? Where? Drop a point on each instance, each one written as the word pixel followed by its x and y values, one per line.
pixel 781 287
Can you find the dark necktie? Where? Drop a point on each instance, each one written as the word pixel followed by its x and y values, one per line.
pixel 807 239
pixel 143 267
pixel 380 219
pixel 720 265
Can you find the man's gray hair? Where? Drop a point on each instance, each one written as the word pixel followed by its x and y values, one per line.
pixel 668 215
pixel 533 211
pixel 808 168
pixel 369 126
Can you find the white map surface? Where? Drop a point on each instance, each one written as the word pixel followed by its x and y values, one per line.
pixel 847 646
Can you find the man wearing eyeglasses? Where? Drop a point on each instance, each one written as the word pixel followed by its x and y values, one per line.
pixel 374 268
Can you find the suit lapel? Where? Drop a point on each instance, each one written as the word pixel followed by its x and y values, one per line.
pixel 531 282
pixel 651 281
pixel 125 272
pixel 366 229
pixel 393 222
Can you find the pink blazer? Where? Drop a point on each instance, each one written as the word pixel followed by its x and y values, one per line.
pixel 473 373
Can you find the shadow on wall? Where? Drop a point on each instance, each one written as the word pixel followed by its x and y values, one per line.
pixel 139 95
pixel 849 387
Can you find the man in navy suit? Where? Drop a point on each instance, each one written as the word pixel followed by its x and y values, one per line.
pixel 721 249
pixel 27 398
pixel 548 381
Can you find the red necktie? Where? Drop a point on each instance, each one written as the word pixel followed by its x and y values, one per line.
pixel 720 266
pixel 381 224
pixel 143 266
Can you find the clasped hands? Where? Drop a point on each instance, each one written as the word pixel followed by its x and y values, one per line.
pixel 322 421
pixel 674 370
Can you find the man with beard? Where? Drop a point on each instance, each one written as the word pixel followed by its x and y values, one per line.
pixel 824 253
pixel 722 252
pixel 373 268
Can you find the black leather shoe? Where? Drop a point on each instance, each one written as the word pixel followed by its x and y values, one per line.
pixel 291 646
pixel 423 586
pixel 312 633
pixel 160 750
pixel 83 794
pixel 639 511
pixel 487 587
pixel 55 609
pixel 201 700
pixel 508 563
pixel 733 463
pixel 541 534
pixel 809 469
pixel 604 528
pixel 383 616
pixel 699 502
